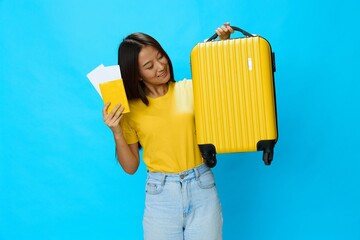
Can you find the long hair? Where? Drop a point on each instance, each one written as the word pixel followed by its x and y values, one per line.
pixel 128 55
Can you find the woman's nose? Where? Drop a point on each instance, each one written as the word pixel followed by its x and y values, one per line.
pixel 160 65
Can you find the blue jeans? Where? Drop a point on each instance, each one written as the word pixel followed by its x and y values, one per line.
pixel 182 206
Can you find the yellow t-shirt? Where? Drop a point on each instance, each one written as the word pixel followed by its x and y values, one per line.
pixel 165 129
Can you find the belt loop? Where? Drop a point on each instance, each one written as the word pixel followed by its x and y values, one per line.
pixel 163 179
pixel 197 174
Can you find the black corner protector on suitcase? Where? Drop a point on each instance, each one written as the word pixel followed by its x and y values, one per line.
pixel 268 147
pixel 208 152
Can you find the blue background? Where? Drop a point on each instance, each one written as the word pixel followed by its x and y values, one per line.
pixel 58 175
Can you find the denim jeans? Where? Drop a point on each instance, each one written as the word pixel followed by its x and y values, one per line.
pixel 182 206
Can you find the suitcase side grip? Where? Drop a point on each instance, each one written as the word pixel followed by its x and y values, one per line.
pixel 247 34
pixel 268 147
pixel 208 152
pixel 273 62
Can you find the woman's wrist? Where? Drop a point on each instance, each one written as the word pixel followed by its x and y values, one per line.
pixel 118 134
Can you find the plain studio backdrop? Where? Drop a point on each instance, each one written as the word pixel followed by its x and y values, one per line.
pixel 58 175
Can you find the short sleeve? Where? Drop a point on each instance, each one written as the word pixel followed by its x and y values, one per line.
pixel 128 131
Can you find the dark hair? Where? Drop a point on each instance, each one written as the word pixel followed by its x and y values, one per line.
pixel 128 55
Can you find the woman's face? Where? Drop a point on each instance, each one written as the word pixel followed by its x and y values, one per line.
pixel 153 66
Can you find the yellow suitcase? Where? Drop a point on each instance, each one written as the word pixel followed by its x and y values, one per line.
pixel 234 96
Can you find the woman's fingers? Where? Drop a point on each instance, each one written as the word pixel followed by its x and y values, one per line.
pixel 113 118
pixel 118 115
pixel 224 31
pixel 105 108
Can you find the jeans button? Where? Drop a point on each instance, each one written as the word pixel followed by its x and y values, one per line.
pixel 182 176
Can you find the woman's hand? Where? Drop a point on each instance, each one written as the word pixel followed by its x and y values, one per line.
pixel 112 119
pixel 224 31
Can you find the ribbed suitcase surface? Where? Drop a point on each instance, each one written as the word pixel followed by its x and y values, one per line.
pixel 234 96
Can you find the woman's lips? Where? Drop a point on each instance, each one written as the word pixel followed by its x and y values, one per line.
pixel 162 74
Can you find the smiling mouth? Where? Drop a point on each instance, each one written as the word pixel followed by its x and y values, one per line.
pixel 162 74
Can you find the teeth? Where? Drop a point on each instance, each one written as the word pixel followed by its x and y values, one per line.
pixel 162 74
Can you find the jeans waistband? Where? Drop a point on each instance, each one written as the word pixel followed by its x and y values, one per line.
pixel 179 177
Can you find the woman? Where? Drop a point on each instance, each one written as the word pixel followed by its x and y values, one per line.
pixel 181 196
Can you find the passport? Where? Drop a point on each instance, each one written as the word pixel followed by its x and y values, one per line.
pixel 114 92
pixel 108 83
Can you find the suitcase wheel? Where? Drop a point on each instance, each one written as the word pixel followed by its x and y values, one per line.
pixel 268 147
pixel 267 157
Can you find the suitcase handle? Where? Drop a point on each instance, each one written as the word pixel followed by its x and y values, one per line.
pixel 247 34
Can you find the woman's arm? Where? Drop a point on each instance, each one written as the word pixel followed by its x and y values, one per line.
pixel 127 154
